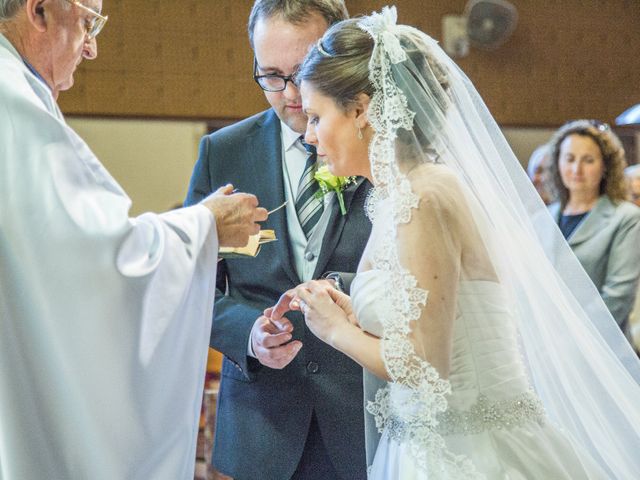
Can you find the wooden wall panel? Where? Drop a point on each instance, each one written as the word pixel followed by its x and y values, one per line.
pixel 191 59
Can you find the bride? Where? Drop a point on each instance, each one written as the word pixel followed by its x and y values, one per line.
pixel 486 353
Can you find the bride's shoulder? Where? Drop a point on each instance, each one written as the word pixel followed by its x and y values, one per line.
pixel 435 182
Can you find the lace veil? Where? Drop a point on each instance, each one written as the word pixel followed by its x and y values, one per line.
pixel 451 205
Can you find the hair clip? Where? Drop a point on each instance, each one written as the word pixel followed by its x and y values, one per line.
pixel 603 127
pixel 321 49
pixel 324 53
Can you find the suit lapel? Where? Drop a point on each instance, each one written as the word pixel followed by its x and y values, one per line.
pixel 595 221
pixel 335 226
pixel 269 140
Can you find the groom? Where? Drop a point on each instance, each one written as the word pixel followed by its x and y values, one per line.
pixel 289 406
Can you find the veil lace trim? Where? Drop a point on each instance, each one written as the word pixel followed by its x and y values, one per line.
pixel 407 408
pixel 388 112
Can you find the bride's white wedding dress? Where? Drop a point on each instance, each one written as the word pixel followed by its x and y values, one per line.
pixel 455 280
pixel 493 417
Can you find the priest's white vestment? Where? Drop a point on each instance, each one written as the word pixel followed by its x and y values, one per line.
pixel 104 319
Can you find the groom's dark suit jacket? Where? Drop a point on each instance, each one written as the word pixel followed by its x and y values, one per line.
pixel 263 414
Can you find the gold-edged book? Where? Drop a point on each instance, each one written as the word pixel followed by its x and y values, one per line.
pixel 252 248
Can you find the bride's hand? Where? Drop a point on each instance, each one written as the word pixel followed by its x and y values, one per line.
pixel 286 301
pixel 325 309
pixel 344 302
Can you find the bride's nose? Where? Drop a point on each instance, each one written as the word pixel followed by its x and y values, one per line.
pixel 310 135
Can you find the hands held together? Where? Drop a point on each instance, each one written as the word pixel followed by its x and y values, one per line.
pixel 326 311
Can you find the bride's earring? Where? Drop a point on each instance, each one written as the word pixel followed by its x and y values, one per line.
pixel 360 136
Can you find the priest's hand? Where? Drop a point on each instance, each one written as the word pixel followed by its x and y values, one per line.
pixel 236 215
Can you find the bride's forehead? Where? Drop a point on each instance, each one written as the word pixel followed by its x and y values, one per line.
pixel 310 94
pixel 313 98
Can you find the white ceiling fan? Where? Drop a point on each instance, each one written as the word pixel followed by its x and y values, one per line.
pixel 485 24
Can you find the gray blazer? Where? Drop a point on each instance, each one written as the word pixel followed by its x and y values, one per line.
pixel 264 414
pixel 607 244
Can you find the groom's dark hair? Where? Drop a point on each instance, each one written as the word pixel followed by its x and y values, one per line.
pixel 296 11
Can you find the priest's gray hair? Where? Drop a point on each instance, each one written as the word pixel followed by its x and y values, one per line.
pixel 8 8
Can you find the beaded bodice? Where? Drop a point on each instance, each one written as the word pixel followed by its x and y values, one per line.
pixel 489 385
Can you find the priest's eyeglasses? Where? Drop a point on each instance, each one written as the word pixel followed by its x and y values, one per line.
pixel 272 82
pixel 93 25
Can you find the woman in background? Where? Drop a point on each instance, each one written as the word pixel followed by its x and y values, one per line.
pixel 632 174
pixel 602 228
pixel 633 329
pixel 538 170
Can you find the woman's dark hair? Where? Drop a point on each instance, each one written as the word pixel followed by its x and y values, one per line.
pixel 338 66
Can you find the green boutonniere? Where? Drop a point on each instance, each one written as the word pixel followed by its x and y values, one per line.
pixel 329 182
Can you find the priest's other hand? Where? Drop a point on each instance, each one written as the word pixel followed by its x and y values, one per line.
pixel 236 215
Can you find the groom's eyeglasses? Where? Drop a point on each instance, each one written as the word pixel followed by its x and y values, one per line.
pixel 272 82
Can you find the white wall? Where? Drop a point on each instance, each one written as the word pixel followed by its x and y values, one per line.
pixel 151 159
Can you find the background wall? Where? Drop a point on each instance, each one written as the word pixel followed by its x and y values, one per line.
pixel 191 59
pixel 151 159
pixel 166 68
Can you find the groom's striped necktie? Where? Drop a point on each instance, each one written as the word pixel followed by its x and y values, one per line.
pixel 308 206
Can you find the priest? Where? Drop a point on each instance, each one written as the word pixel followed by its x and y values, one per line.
pixel 104 319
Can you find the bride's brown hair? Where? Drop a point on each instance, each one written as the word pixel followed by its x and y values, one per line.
pixel 338 65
